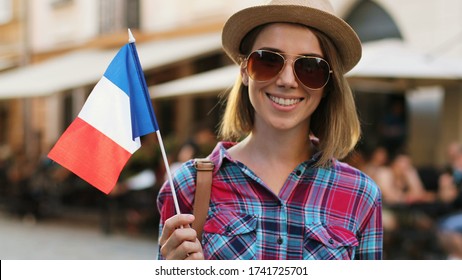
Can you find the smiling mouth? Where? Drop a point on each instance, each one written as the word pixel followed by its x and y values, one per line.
pixel 285 101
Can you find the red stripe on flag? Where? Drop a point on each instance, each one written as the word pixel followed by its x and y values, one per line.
pixel 91 155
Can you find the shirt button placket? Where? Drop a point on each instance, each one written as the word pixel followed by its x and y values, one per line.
pixel 282 236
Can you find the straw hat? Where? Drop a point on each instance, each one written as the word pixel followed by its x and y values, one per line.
pixel 318 14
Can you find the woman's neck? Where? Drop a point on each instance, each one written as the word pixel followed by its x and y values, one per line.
pixel 290 147
pixel 273 156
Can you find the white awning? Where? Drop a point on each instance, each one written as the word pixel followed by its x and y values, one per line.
pixel 391 65
pixel 208 82
pixel 391 58
pixel 86 67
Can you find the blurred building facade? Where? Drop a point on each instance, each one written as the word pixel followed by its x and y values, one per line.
pixel 37 32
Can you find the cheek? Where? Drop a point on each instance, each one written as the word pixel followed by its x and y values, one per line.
pixel 252 94
pixel 255 88
pixel 316 98
pixel 255 94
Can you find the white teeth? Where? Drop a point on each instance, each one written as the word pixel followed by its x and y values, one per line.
pixel 284 102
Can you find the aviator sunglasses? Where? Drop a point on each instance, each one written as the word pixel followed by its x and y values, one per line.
pixel 263 65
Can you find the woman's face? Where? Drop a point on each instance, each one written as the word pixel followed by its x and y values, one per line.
pixel 283 103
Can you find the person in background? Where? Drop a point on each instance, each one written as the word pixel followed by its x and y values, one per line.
pixel 450 180
pixel 279 190
pixel 376 162
pixel 401 184
pixel 449 226
pixel 450 235
pixel 189 150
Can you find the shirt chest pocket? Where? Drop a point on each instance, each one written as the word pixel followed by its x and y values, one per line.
pixel 328 242
pixel 230 235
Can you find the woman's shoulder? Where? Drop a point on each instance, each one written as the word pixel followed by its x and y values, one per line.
pixel 357 178
pixel 186 172
pixel 344 167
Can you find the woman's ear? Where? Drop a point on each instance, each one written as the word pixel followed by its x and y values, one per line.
pixel 244 76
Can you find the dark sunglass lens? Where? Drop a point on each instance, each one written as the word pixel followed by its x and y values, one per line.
pixel 312 72
pixel 264 65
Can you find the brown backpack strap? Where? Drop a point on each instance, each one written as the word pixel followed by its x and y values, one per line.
pixel 204 169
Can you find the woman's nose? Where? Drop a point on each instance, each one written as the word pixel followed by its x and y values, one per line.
pixel 286 77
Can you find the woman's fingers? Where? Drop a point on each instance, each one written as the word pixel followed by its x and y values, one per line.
pixel 185 250
pixel 178 240
pixel 173 223
pixel 195 256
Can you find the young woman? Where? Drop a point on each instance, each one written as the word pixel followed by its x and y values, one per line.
pixel 280 192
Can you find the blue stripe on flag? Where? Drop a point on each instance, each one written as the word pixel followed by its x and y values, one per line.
pixel 126 73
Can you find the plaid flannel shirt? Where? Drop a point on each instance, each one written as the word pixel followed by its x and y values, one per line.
pixel 320 213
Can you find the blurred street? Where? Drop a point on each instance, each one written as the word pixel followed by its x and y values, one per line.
pixel 69 239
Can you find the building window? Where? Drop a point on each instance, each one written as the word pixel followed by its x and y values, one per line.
pixel 56 4
pixel 6 11
pixel 371 22
pixel 133 14
pixel 116 15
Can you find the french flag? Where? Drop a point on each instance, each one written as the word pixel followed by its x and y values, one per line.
pixel 99 142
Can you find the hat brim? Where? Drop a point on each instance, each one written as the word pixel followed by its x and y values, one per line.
pixel 342 35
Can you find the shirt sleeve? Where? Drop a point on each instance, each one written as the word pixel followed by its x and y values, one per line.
pixel 370 236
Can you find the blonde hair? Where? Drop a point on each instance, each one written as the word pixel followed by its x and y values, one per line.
pixel 335 122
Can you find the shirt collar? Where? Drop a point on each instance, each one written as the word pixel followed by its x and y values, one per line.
pixel 219 153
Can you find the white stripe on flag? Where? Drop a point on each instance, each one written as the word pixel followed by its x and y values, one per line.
pixel 108 110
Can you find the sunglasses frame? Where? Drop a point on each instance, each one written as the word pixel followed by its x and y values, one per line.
pixel 297 57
